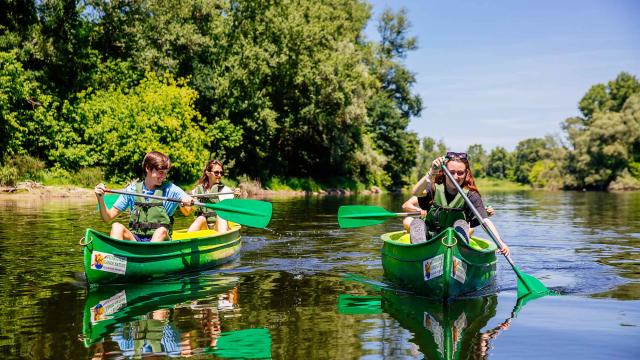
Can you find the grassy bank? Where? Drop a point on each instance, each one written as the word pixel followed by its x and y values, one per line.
pixel 491 184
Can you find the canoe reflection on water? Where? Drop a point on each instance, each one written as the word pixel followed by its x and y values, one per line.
pixel 446 330
pixel 179 317
pixel 440 330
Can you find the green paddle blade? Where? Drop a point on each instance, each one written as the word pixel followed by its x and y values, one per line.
pixel 252 213
pixel 109 200
pixel 243 344
pixel 352 216
pixel 528 284
pixel 359 304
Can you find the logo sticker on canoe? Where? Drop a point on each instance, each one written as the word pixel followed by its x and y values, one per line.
pixel 458 270
pixel 432 268
pixel 104 308
pixel 108 262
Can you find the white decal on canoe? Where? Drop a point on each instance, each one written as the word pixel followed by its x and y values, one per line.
pixel 459 270
pixel 104 308
pixel 108 262
pixel 432 268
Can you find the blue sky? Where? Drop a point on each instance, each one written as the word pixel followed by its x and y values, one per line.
pixel 496 72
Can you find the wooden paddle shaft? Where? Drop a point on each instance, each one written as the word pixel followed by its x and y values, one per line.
pixel 475 212
pixel 153 197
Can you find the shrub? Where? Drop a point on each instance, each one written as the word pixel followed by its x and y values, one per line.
pixel 8 175
pixel 88 177
pixel 27 167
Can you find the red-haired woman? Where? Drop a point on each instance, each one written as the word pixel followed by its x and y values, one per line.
pixel 440 205
pixel 210 183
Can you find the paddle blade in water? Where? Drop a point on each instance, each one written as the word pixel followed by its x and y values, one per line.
pixel 359 304
pixel 252 213
pixel 243 344
pixel 352 216
pixel 528 284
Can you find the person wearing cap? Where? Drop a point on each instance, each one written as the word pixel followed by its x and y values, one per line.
pixel 441 206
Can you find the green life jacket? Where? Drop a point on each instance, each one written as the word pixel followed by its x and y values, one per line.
pixel 147 216
pixel 210 214
pixel 441 214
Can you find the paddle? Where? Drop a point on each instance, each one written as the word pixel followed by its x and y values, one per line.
pixel 527 284
pixel 352 216
pixel 204 196
pixel 253 213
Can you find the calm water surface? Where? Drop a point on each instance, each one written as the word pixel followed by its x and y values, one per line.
pixel 309 290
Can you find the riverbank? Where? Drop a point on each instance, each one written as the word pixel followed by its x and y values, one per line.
pixel 32 189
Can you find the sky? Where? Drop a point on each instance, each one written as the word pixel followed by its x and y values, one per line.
pixel 495 72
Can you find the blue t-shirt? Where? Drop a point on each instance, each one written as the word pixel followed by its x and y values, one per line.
pixel 170 191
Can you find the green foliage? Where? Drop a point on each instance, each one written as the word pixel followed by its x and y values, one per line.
pixel 500 164
pixel 625 182
pixel 527 153
pixel 8 175
pixel 545 174
pixel 634 169
pixel 605 144
pixel 88 177
pixel 114 130
pixel 20 100
pixel 477 159
pixel 27 167
pixel 293 184
pixel 295 83
pixel 429 150
pixel 391 107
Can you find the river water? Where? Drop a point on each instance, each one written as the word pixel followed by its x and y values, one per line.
pixel 306 289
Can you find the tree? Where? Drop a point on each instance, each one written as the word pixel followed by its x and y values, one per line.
pixel 428 151
pixel 20 100
pixel 605 142
pixel 477 159
pixel 113 130
pixel 527 153
pixel 390 109
pixel 500 163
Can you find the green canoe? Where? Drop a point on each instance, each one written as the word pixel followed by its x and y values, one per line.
pixel 442 267
pixel 107 260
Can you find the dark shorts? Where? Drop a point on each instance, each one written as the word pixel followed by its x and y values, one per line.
pixel 141 239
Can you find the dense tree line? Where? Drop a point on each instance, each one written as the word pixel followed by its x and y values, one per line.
pixel 275 88
pixel 599 150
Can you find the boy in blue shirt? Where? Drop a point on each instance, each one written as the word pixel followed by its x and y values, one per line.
pixel 149 220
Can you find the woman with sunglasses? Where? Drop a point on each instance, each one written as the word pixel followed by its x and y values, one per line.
pixel 210 183
pixel 440 205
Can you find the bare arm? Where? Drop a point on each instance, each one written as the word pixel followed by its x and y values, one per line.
pixel 423 184
pixel 106 214
pixel 186 210
pixel 505 248
pixel 412 205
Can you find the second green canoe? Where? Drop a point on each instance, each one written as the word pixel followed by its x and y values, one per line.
pixel 442 267
pixel 108 260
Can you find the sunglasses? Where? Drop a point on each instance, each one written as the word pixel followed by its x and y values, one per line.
pixel 162 170
pixel 459 173
pixel 456 155
pixel 216 173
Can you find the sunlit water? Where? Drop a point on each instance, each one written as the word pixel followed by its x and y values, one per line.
pixel 285 296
